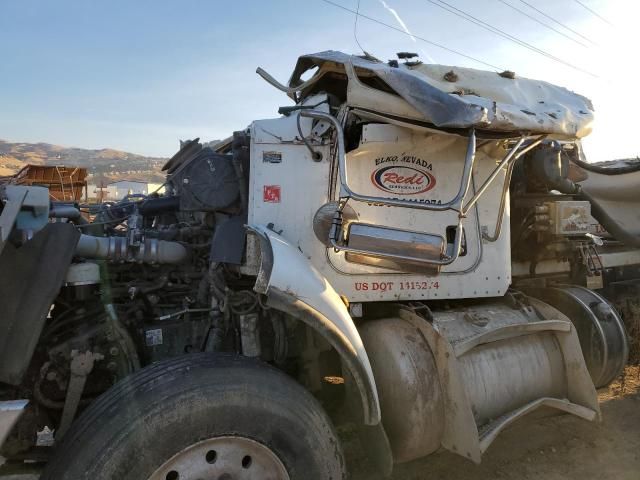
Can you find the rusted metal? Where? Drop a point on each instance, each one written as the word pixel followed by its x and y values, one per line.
pixel 65 184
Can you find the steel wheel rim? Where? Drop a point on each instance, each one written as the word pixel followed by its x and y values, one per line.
pixel 223 458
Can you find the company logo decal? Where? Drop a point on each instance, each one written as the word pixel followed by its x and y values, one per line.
pixel 401 180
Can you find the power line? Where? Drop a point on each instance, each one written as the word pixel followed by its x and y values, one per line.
pixel 593 12
pixel 557 22
pixel 470 18
pixel 438 45
pixel 546 25
pixel 355 28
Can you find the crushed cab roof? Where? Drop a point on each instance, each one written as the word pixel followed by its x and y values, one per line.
pixel 446 97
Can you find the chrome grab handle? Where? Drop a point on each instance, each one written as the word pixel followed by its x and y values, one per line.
pixel 505 188
pixel 455 204
pixel 508 160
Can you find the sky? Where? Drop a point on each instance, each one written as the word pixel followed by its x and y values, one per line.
pixel 140 75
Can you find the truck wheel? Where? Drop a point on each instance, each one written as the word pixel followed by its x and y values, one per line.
pixel 201 417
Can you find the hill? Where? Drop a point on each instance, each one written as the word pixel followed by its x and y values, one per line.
pixel 105 163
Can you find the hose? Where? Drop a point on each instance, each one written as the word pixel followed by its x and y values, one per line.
pixel 610 224
pixel 117 248
pixel 315 155
pixel 59 210
pixel 242 302
pixel 157 206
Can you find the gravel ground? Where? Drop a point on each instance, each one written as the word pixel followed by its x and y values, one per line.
pixel 552 448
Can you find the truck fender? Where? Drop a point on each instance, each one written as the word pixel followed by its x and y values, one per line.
pixel 294 286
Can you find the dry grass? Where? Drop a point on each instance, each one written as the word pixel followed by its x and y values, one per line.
pixel 627 384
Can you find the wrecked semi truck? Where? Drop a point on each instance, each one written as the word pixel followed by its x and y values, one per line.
pixel 419 250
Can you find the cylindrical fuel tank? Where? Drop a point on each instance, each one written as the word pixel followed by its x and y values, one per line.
pixel 408 387
pixel 498 376
pixel 505 375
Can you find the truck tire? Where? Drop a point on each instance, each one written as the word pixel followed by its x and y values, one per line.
pixel 201 416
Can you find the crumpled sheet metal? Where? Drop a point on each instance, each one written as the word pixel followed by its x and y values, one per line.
pixel 469 98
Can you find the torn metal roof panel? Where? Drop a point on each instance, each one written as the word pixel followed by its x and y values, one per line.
pixel 449 97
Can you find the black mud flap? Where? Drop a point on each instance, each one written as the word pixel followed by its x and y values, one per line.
pixel 229 241
pixel 30 278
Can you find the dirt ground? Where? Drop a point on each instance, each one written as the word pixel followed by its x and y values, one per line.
pixel 552 448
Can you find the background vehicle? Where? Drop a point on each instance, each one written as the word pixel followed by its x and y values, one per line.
pixel 409 246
